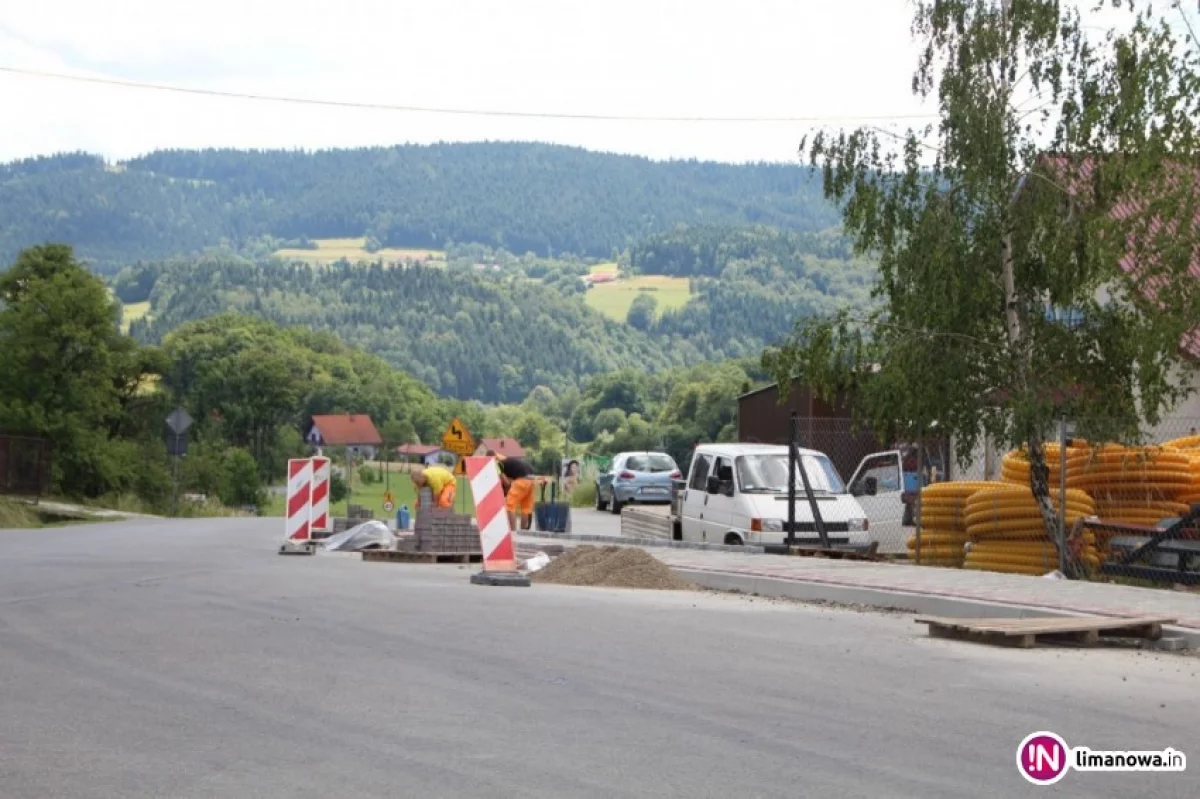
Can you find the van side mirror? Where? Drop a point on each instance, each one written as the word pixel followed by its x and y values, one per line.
pixel 713 486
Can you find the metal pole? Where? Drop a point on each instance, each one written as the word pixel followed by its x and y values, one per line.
pixel 920 475
pixel 1062 495
pixel 791 516
pixel 175 480
pixel 794 462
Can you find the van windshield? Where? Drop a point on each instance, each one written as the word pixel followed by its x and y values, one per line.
pixel 768 474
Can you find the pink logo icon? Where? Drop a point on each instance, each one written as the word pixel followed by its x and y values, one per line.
pixel 1042 758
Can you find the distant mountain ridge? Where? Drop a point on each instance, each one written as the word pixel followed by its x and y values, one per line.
pixel 520 196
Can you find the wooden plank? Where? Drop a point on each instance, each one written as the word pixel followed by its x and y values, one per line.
pixel 835 554
pixel 644 523
pixel 411 556
pixel 1085 630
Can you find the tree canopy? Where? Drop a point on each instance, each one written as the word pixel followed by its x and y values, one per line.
pixel 520 196
pixel 1035 246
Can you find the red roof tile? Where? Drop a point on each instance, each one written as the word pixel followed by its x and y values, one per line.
pixel 1190 344
pixel 420 450
pixel 508 447
pixel 347 430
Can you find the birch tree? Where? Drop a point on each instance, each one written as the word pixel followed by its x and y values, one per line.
pixel 1036 246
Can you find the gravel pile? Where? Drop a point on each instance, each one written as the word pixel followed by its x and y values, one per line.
pixel 611 567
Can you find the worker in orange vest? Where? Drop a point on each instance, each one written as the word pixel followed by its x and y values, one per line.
pixel 440 480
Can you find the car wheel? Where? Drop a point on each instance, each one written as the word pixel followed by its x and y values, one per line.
pixel 616 506
pixel 600 503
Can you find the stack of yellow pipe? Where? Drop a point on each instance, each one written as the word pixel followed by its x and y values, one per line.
pixel 1190 445
pixel 943 523
pixel 1008 532
pixel 1014 466
pixel 1116 472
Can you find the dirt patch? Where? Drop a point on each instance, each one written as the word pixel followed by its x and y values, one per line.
pixel 611 567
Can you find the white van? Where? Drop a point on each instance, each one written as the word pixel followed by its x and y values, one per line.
pixel 737 494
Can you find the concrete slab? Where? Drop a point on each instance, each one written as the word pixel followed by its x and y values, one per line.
pixel 925 589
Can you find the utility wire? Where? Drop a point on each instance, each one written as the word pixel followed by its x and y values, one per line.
pixel 441 110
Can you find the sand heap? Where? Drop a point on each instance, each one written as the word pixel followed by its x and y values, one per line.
pixel 611 567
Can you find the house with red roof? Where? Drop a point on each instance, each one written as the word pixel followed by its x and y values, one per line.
pixel 355 432
pixel 508 447
pixel 1076 175
pixel 424 454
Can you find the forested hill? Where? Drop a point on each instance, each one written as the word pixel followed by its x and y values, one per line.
pixel 520 196
pixel 495 334
pixel 465 335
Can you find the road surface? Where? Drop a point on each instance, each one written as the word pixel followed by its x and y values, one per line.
pixel 186 659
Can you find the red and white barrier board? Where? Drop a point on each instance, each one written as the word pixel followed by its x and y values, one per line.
pixel 299 499
pixel 495 537
pixel 320 494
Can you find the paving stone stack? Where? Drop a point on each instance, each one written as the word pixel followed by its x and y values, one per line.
pixel 443 530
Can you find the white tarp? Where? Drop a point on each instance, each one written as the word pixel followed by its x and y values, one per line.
pixel 372 532
pixel 536 563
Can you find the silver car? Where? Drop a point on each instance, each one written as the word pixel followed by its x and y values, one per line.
pixel 636 477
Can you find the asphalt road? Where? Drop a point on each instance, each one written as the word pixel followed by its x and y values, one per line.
pixel 187 659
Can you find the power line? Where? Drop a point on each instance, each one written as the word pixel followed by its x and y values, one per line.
pixel 441 110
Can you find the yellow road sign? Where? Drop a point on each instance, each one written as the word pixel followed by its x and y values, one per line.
pixel 389 498
pixel 457 439
pixel 460 467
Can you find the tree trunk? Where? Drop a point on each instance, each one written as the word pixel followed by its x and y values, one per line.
pixel 1039 478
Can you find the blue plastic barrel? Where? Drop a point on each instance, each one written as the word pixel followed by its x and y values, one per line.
pixel 402 518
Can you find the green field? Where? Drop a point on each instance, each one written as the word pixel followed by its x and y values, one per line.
pixel 613 299
pixel 604 269
pixel 133 312
pixel 371 496
pixel 330 250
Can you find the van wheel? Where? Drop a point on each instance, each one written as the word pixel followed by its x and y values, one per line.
pixel 733 540
pixel 600 503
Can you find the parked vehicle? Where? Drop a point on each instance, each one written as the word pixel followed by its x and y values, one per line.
pixel 642 477
pixel 886 485
pixel 737 494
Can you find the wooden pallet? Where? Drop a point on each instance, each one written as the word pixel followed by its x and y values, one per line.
pixel 1024 633
pixel 413 556
pixel 836 554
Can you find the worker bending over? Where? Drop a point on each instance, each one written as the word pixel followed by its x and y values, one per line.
pixel 440 480
pixel 516 476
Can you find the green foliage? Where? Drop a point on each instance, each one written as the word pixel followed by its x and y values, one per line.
pixel 983 238
pixel 524 197
pixel 641 312
pixel 338 490
pixel 470 336
pixel 243 483
pixel 608 420
pixel 247 381
pixel 65 371
pixel 369 476
pixel 584 495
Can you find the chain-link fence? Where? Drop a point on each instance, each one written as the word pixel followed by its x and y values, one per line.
pixel 885 476
pixel 24 465
pixel 1126 512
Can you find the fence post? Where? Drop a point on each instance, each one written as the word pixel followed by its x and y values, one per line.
pixel 793 424
pixel 1062 495
pixel 920 474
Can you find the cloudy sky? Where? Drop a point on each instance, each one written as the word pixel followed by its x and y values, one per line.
pixel 822 62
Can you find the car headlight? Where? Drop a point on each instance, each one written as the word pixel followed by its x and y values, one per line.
pixel 772 525
pixel 856 525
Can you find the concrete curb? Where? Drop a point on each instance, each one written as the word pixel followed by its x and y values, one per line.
pixel 924 604
pixel 616 540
